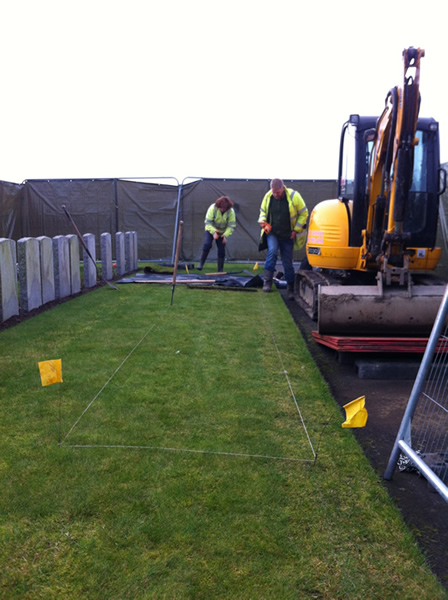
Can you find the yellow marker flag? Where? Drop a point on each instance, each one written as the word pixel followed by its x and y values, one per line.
pixel 50 371
pixel 255 267
pixel 356 414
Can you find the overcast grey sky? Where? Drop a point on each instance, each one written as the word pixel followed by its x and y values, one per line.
pixel 232 88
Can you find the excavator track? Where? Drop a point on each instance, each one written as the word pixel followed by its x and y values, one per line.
pixel 363 310
pixel 306 290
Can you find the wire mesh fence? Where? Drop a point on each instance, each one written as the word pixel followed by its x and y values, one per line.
pixel 422 440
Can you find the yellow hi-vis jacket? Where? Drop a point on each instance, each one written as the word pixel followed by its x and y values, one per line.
pixel 297 211
pixel 223 223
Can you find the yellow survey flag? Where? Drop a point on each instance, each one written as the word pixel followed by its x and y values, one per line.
pixel 255 266
pixel 50 371
pixel 356 414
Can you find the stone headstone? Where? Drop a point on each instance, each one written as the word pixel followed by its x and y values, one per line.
pixel 90 274
pixel 106 256
pixel 9 296
pixel 46 268
pixel 129 251
pixel 135 250
pixel 61 259
pixel 120 254
pixel 28 254
pixel 75 269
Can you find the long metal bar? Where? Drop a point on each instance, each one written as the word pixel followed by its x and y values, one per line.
pixel 418 384
pixel 176 261
pixel 84 245
pixel 176 224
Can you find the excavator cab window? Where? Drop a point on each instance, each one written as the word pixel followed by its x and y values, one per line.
pixel 416 211
pixel 347 172
pixel 354 159
pixel 355 149
pixel 420 216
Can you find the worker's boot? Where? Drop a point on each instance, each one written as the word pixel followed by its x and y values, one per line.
pixel 290 291
pixel 220 265
pixel 202 261
pixel 267 283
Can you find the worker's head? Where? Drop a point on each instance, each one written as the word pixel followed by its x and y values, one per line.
pixel 224 204
pixel 277 188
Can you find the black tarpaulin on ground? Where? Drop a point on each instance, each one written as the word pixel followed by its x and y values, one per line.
pixel 230 280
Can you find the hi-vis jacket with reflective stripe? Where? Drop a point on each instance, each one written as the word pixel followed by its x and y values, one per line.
pixel 223 223
pixel 297 210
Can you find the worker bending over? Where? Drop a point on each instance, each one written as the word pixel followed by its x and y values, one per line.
pixel 220 223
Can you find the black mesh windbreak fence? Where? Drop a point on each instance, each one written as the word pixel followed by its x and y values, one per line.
pixel 11 201
pixel 150 210
pixel 153 210
pixel 91 203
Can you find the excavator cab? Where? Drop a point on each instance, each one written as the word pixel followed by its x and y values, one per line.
pixel 421 212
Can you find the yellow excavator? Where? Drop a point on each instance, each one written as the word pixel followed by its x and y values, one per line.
pixel 371 251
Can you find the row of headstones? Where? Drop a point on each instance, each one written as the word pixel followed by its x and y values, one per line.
pixel 48 269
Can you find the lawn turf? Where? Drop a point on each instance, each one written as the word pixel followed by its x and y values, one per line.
pixel 184 469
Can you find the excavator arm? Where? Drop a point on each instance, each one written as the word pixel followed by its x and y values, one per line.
pixel 390 179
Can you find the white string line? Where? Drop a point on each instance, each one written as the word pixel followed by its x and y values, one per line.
pixel 234 454
pixel 187 450
pixel 109 380
pixel 285 372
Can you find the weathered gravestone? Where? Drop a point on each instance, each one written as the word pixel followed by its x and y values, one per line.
pixel 106 256
pixel 28 253
pixel 89 264
pixel 121 261
pixel 61 266
pixel 75 271
pixel 9 297
pixel 46 269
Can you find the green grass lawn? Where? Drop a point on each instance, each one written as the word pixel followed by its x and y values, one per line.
pixel 202 456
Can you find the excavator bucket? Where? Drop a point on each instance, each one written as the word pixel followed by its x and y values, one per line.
pixel 366 311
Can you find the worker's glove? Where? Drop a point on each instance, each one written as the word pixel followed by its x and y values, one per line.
pixel 267 228
pixel 296 233
pixel 224 241
pixel 215 235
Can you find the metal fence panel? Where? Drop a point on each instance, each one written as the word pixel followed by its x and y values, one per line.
pixel 422 438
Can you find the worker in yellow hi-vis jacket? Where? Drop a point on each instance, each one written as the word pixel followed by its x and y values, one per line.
pixel 283 216
pixel 220 223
